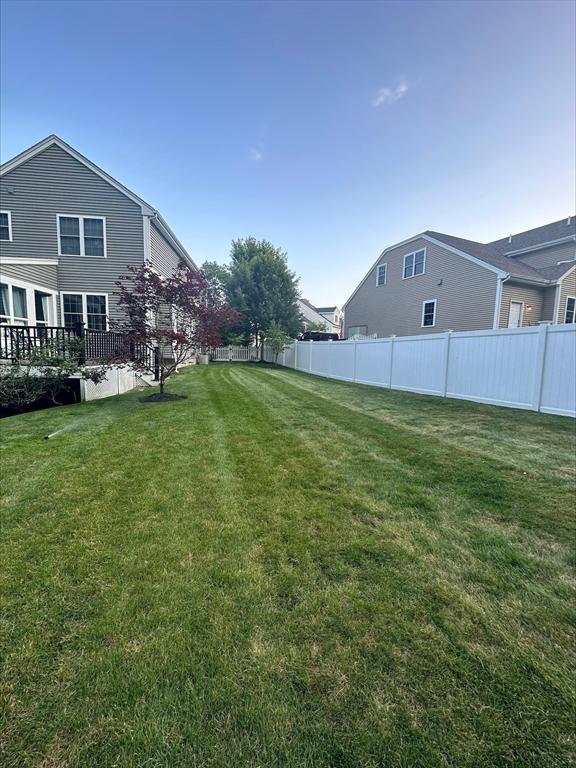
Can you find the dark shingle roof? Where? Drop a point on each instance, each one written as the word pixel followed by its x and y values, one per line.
pixel 533 237
pixel 556 270
pixel 489 255
pixel 326 309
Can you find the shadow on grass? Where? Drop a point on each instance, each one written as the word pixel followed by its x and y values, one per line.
pixel 160 397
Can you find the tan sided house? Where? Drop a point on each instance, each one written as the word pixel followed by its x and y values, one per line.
pixel 435 282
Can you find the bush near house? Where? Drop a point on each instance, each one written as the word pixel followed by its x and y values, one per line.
pixel 43 377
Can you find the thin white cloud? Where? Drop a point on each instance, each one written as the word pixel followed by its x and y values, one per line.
pixel 389 95
pixel 257 150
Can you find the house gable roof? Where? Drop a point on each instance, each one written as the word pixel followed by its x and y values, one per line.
pixel 147 209
pixel 549 234
pixel 490 256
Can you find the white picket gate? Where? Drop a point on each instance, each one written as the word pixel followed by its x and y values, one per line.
pixel 232 354
pixel 532 367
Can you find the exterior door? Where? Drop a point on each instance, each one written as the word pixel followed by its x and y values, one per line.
pixel 515 314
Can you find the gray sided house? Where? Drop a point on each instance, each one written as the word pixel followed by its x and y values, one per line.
pixel 435 282
pixel 68 230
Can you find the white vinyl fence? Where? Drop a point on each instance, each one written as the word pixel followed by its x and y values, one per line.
pixel 235 354
pixel 531 367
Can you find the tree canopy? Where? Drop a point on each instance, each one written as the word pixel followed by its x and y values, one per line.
pixel 259 284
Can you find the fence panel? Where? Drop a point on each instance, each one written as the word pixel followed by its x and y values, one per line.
pixel 343 359
pixel 532 367
pixel 373 362
pixel 418 363
pixel 320 362
pixel 558 394
pixel 494 366
pixel 232 354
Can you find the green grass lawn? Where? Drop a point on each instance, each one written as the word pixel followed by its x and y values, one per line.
pixel 288 571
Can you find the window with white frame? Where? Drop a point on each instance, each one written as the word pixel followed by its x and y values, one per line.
pixel 414 263
pixel 13 304
pixel 5 225
pixel 25 304
pixel 42 307
pixel 429 313
pixel 87 308
pixel 570 314
pixel 81 235
pixel 381 270
pixel 358 330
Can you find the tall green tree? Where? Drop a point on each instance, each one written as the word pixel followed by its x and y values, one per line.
pixel 262 288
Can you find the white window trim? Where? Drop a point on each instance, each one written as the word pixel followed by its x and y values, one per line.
pixel 84 305
pixel 10 240
pixel 428 301
pixel 413 253
pixel 80 217
pixel 30 302
pixel 378 285
pixel 566 308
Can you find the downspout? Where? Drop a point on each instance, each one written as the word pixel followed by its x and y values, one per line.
pixel 557 302
pixel 498 301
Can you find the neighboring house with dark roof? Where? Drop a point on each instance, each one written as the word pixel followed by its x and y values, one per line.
pixel 312 315
pixel 68 230
pixel 334 315
pixel 435 282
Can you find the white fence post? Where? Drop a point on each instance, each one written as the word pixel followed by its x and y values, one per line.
pixel 354 369
pixel 295 354
pixel 446 363
pixel 391 359
pixel 310 360
pixel 539 366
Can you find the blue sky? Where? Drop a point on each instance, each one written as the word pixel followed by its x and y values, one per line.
pixel 331 129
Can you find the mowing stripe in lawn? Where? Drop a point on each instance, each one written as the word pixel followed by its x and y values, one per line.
pixel 282 570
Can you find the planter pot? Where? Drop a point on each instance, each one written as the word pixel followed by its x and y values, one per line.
pixel 202 359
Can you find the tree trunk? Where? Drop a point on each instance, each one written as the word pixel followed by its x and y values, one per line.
pixel 161 382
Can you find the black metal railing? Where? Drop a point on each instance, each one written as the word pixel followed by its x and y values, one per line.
pixel 19 342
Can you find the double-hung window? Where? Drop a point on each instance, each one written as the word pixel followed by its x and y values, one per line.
pixel 381 274
pixel 5 226
pixel 414 263
pixel 429 313
pixel 570 314
pixel 81 236
pixel 87 308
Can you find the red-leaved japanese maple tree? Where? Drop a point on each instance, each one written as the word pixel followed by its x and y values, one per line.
pixel 176 316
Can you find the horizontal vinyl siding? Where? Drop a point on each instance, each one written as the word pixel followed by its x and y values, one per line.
pixel 465 299
pixel 567 288
pixel 40 275
pixel 163 257
pixel 548 257
pixel 548 303
pixel 530 296
pixel 54 183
